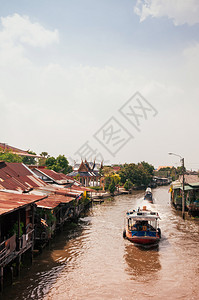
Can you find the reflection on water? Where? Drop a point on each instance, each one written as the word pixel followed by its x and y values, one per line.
pixel 142 263
pixel 93 261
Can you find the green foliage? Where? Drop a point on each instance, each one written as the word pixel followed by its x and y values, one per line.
pixel 10 157
pixel 108 180
pixel 107 171
pixel 147 167
pixel 44 154
pixel 59 164
pixel 128 185
pixel 14 229
pixel 28 160
pixel 112 186
pixel 138 174
pixel 170 172
pixel 42 160
pixel 51 163
pixel 47 215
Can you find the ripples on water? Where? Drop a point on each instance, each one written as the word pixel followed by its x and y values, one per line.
pixel 93 261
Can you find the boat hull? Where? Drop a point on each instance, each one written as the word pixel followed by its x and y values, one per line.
pixel 142 240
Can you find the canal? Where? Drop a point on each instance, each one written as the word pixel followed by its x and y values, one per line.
pixel 93 261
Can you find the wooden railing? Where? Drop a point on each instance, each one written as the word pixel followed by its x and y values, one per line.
pixel 7 247
pixel 26 239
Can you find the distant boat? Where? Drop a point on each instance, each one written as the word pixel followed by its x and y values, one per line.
pixel 142 227
pixel 148 195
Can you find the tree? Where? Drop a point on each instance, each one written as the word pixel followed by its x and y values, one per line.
pixel 107 171
pixel 59 164
pixel 115 178
pixel 29 160
pixel 128 185
pixel 44 155
pixel 10 157
pixel 51 163
pixel 107 182
pixel 149 168
pixel 112 187
pixel 139 175
pixel 64 164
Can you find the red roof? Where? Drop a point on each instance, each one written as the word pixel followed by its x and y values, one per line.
pixel 116 168
pixel 54 175
pixel 14 150
pixel 80 188
pixel 13 201
pixel 73 190
pixel 53 201
pixel 16 176
pixel 59 178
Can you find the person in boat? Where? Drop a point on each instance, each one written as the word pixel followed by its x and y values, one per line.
pixel 139 225
pixel 142 226
pixel 150 228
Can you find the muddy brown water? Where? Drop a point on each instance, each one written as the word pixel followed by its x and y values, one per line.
pixel 93 261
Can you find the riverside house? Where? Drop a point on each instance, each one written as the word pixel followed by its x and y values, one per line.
pixel 16 228
pixel 191 193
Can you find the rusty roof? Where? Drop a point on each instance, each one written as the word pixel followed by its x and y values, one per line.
pixel 80 188
pixel 189 178
pixel 10 202
pixel 60 178
pixel 53 201
pixel 7 148
pixel 16 176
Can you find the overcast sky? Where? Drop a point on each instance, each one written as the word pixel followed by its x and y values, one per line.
pixel 75 76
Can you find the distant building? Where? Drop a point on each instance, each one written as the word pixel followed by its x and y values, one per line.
pixel 88 173
pixel 116 169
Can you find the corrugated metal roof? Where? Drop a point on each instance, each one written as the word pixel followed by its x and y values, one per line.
pixel 189 178
pixel 79 188
pixel 5 147
pixel 60 178
pixel 13 201
pixel 53 201
pixel 16 176
pixel 73 190
pixel 14 150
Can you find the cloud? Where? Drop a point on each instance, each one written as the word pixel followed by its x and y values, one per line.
pixel 181 12
pixel 57 107
pixel 18 28
pixel 17 33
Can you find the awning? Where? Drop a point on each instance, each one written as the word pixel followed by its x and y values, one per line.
pixel 186 187
pixel 195 184
pixel 143 217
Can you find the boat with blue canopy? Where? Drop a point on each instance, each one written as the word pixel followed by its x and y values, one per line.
pixel 142 226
